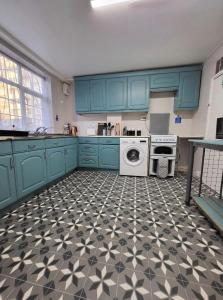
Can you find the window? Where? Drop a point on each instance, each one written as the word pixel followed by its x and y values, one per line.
pixel 24 103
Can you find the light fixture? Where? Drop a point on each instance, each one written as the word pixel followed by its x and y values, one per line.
pixel 100 3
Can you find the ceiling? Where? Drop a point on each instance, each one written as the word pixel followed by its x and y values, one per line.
pixel 76 40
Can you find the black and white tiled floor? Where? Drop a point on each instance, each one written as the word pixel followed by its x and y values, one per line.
pixel 97 235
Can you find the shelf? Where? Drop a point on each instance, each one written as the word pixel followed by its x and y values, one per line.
pixel 213 209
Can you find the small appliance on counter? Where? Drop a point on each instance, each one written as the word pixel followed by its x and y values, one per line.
pixel 101 126
pixel 131 132
pixel 69 129
pixel 105 129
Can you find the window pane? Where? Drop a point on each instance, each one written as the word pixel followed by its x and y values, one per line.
pixel 19 105
pixel 4 106
pixel 34 111
pixel 8 69
pixel 32 81
pixel 9 100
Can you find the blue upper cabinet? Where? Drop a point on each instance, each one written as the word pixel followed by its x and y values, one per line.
pixel 138 93
pixel 82 95
pixel 165 81
pixel 130 91
pixel 116 93
pixel 7 182
pixel 189 89
pixel 98 95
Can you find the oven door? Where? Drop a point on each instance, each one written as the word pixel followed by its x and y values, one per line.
pixel 163 149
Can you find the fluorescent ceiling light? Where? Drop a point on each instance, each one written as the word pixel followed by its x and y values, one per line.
pixel 100 3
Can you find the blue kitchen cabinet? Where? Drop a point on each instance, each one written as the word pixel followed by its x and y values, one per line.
pixel 55 162
pixel 188 94
pixel 82 95
pixel 109 156
pixel 138 93
pixel 70 157
pixel 7 181
pixel 98 95
pixel 165 81
pixel 30 171
pixel 88 155
pixel 116 94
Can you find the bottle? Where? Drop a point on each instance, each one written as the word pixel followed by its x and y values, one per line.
pixel 117 129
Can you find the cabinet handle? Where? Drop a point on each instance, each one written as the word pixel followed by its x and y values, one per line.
pixel 11 163
pixel 45 155
pixel 31 147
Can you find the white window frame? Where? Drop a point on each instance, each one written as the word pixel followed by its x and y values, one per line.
pixel 46 95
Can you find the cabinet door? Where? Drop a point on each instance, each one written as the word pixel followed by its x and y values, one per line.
pixel 97 90
pixel 116 90
pixel 165 80
pixel 188 94
pixel 55 163
pixel 30 170
pixel 82 95
pixel 109 156
pixel 138 92
pixel 7 181
pixel 70 157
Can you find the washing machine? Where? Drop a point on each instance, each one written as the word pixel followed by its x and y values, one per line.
pixel 134 156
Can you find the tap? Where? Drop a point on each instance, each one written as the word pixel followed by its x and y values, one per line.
pixel 40 130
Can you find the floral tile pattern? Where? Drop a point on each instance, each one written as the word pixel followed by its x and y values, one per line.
pixel 98 235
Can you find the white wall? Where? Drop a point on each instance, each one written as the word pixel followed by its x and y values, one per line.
pixel 62 105
pixel 200 118
pixel 164 103
pixel 204 121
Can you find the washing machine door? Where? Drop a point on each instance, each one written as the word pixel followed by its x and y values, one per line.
pixel 134 156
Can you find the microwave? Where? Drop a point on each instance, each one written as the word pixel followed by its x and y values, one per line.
pixel 219 128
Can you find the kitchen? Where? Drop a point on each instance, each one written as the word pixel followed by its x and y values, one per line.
pixel 111 162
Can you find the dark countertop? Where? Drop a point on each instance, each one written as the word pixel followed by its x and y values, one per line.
pixel 40 137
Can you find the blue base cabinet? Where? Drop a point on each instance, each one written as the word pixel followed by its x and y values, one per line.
pixel 109 156
pixel 70 157
pixel 30 171
pixel 100 152
pixel 7 181
pixel 55 162
pixel 88 155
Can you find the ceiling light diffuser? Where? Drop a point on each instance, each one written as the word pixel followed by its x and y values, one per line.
pixel 100 3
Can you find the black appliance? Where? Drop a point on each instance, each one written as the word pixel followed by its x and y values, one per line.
pixel 13 133
pixel 131 132
pixel 219 129
pixel 101 126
